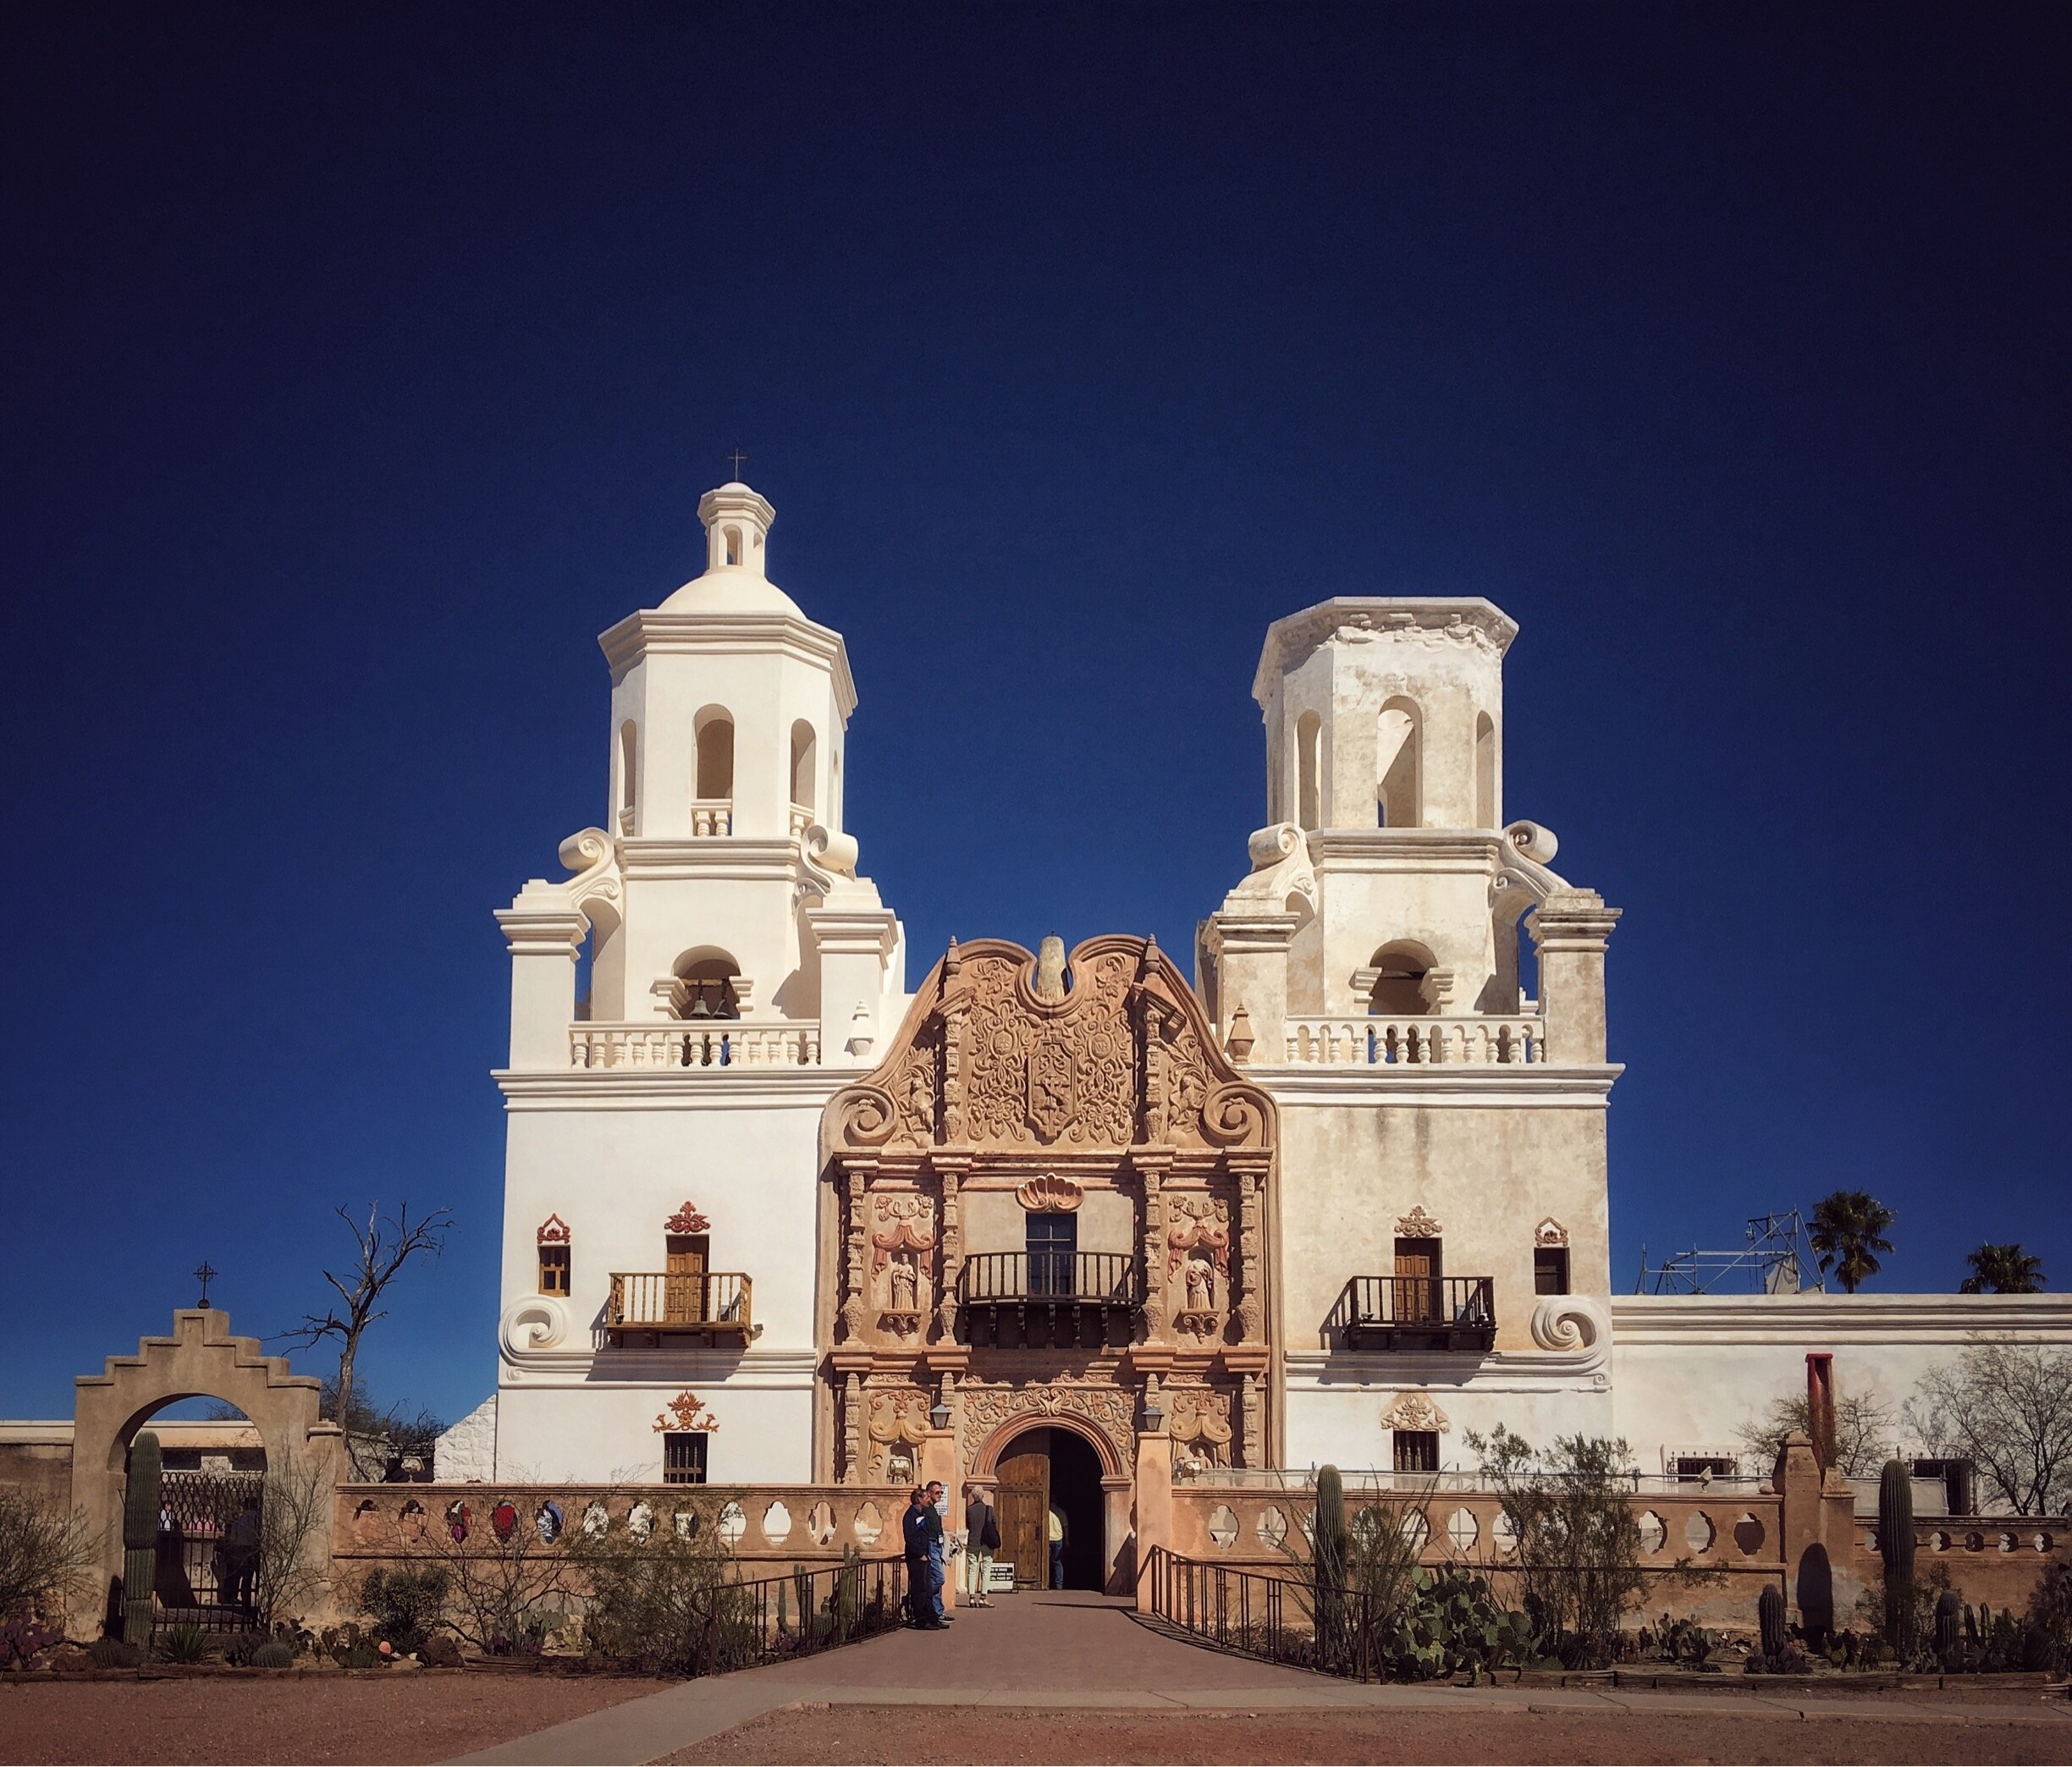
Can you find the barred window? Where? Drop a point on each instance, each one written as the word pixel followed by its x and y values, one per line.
pixel 553 1269
pixel 1417 1450
pixel 683 1456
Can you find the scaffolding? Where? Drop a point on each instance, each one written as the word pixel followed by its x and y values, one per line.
pixel 1775 1258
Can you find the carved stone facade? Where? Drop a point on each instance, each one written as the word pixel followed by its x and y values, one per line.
pixel 1091 1089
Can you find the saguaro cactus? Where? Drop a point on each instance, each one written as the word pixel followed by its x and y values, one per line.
pixel 1896 1547
pixel 141 1504
pixel 1331 1547
pixel 1770 1617
pixel 1948 1627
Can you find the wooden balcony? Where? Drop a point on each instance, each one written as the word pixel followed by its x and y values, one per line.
pixel 1416 1312
pixel 1011 1300
pixel 652 1307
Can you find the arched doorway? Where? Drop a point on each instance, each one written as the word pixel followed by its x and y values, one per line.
pixel 1044 1470
pixel 202 1360
pixel 211 1498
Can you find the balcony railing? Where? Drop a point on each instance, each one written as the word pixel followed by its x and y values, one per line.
pixel 655 1304
pixel 1388 1042
pixel 1048 1299
pixel 1416 1312
pixel 712 816
pixel 661 1043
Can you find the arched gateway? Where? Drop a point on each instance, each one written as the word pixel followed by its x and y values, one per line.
pixel 1048 1209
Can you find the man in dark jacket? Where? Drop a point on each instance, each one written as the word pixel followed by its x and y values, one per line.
pixel 921 1533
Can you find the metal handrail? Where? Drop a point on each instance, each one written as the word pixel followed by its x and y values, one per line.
pixel 1280 1619
pixel 1104 1279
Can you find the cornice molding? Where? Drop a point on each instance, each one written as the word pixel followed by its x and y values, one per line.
pixel 1814 1321
pixel 1386 622
pixel 803 1088
pixel 651 631
pixel 1502 1371
pixel 1502 1086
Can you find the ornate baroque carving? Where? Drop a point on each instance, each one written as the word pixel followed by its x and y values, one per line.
pixel 1049 1192
pixel 553 1232
pixel 1415 1411
pixel 684 1412
pixel 1122 1056
pixel 1200 1423
pixel 1110 1409
pixel 687 1220
pixel 1549 1232
pixel 1417 1224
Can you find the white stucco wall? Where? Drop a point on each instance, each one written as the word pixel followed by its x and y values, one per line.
pixel 1689 1371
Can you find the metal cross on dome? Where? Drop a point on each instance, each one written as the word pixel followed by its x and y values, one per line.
pixel 204 1276
pixel 737 457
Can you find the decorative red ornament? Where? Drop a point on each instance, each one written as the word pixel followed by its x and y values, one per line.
pixel 504 1518
pixel 687 1220
pixel 553 1232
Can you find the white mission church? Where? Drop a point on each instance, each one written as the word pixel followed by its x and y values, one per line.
pixel 1339 1195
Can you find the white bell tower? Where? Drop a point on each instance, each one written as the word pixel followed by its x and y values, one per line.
pixel 722 885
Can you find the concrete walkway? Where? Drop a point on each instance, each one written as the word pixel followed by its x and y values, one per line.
pixel 1067 1650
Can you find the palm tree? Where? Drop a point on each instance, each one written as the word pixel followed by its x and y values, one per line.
pixel 1848 1231
pixel 2002 1270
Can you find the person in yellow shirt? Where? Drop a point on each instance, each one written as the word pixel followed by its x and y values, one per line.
pixel 1059 1534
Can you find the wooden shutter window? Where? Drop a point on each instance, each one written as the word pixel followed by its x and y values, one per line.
pixel 553 1269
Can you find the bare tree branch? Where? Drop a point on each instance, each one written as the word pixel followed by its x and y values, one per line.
pixel 381 1249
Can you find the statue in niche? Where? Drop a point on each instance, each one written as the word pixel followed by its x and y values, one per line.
pixel 1200 1286
pixel 1049 982
pixel 900 1275
pixel 899 1467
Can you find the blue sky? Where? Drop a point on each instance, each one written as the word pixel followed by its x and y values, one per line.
pixel 364 365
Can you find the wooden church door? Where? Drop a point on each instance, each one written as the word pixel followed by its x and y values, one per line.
pixel 1022 1501
pixel 685 1285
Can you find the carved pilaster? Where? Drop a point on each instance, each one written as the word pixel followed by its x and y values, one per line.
pixel 856 1300
pixel 956 1053
pixel 1151 1165
pixel 1252 1447
pixel 952 1252
pixel 1252 1256
pixel 852 1427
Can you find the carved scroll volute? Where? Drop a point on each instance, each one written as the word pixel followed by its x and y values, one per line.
pixel 1236 1116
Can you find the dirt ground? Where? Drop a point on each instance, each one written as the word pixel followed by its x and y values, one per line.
pixel 928 1735
pixel 317 1717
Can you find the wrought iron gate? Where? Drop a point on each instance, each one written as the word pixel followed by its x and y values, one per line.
pixel 208 1549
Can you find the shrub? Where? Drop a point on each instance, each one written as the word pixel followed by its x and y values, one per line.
pixel 403 1605
pixel 186 1644
pixel 114 1653
pixel 273 1655
pixel 442 1650
pixel 665 1604
pixel 46 1554
pixel 1576 1561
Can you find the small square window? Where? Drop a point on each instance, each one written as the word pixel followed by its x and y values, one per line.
pixel 683 1456
pixel 1550 1270
pixel 553 1269
pixel 1417 1450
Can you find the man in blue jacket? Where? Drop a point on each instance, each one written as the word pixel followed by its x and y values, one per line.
pixel 921 1533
